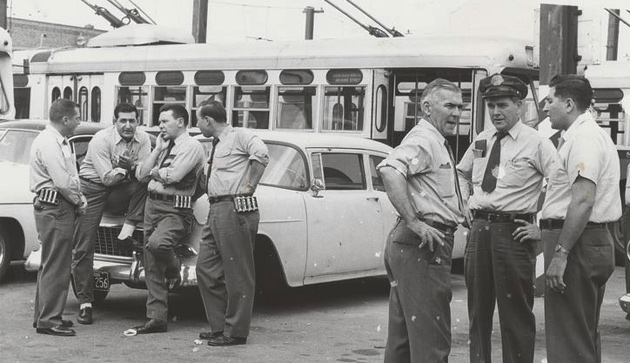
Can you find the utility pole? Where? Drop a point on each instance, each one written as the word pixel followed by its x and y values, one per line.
pixel 613 36
pixel 3 14
pixel 200 20
pixel 558 41
pixel 310 21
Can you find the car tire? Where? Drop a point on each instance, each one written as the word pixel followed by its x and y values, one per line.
pixel 270 281
pixel 99 296
pixel 5 253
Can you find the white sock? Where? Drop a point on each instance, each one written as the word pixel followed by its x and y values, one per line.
pixel 127 230
pixel 85 305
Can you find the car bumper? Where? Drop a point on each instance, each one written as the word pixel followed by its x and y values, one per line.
pixel 624 302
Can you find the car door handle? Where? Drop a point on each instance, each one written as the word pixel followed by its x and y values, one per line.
pixel 372 198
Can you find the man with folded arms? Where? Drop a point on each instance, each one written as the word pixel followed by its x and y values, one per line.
pixel 582 198
pixel 108 182
pixel 505 166
pixel 172 170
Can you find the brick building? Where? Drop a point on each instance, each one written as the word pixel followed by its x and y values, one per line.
pixel 29 34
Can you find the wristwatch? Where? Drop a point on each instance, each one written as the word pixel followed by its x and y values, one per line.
pixel 561 249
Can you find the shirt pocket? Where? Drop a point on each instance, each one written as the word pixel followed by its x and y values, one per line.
pixel 479 168
pixel 222 158
pixel 446 184
pixel 517 172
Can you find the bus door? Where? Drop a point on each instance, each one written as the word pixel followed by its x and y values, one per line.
pixel 380 105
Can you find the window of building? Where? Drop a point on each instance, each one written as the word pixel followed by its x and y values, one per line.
pixel 22 102
pixel 296 107
pixel 251 107
pixel 67 93
pixel 55 94
pixel 83 103
pixel 344 108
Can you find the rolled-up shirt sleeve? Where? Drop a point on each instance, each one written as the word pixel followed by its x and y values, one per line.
pixel 583 159
pixel 409 159
pixel 256 149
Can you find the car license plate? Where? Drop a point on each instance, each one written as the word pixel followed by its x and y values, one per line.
pixel 101 281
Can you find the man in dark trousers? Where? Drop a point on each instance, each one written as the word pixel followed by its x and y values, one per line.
pixel 225 266
pixel 54 179
pixel 108 180
pixel 503 173
pixel 172 170
pixel 582 199
pixel 421 182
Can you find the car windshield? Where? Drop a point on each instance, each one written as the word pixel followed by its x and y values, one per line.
pixel 286 169
pixel 15 145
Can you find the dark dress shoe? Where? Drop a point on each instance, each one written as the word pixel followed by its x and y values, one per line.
pixel 57 330
pixel 85 316
pixel 151 326
pixel 225 340
pixel 64 323
pixel 207 335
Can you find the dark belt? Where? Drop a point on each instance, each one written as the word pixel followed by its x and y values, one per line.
pixel 559 223
pixel 164 197
pixel 90 181
pixel 221 198
pixel 501 217
pixel 441 226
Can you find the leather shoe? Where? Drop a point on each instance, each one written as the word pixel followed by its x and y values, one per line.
pixel 207 335
pixel 151 326
pixel 85 316
pixel 57 330
pixel 226 340
pixel 64 323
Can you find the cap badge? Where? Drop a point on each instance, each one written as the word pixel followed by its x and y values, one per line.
pixel 496 80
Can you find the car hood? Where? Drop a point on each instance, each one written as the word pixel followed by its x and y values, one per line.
pixel 14 183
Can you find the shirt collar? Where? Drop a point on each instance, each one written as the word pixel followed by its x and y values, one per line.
pixel 58 137
pixel 513 132
pixel 118 138
pixel 585 117
pixel 228 129
pixel 181 138
pixel 429 126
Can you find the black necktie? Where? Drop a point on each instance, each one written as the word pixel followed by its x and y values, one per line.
pixel 489 182
pixel 214 147
pixel 168 152
pixel 460 200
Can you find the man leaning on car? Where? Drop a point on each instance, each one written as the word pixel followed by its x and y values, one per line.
pixel 172 170
pixel 54 179
pixel 421 182
pixel 107 179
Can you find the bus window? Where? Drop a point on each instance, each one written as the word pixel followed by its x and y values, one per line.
pixel 343 108
pixel 55 95
pixel 83 103
pixel 22 102
pixel 295 107
pixel 164 95
pixel 251 107
pixel 137 96
pixel 67 93
pixel 95 109
pixel 203 93
pixel 609 112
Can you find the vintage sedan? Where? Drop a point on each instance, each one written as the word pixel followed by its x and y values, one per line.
pixel 324 216
pixel 18 236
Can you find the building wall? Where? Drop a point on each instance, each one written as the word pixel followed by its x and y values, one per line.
pixel 29 34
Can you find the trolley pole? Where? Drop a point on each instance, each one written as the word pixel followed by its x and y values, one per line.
pixel 200 20
pixel 3 14
pixel 310 21
pixel 612 44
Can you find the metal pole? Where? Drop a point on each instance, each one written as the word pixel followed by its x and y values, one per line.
pixel 3 14
pixel 612 43
pixel 200 20
pixel 348 15
pixel 373 19
pixel 310 21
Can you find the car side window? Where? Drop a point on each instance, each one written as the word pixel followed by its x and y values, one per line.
pixel 80 146
pixel 377 182
pixel 343 171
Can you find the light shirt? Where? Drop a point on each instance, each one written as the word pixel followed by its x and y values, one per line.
pixel 423 159
pixel 180 168
pixel 588 151
pixel 230 165
pixel 101 161
pixel 526 160
pixel 52 165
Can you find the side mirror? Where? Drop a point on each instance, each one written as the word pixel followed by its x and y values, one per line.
pixel 317 185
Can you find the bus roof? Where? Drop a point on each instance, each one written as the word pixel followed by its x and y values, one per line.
pixel 609 74
pixel 408 52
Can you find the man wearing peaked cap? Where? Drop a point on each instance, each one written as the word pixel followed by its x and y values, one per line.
pixel 501 175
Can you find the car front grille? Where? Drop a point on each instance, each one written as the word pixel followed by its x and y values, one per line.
pixel 107 242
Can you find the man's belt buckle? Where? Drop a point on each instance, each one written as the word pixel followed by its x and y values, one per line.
pixel 244 204
pixel 182 201
pixel 48 196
